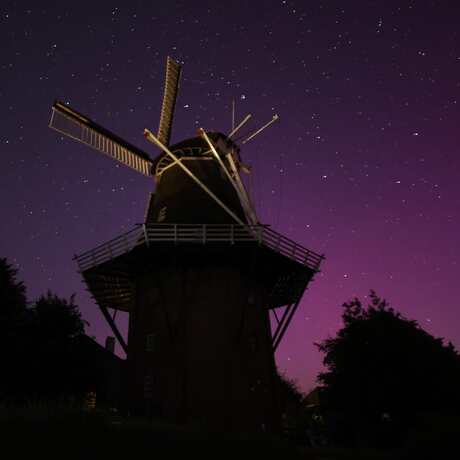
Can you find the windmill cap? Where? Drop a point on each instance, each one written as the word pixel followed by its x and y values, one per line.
pixel 199 143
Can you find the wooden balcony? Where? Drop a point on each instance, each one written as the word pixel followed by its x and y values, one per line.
pixel 110 270
pixel 204 234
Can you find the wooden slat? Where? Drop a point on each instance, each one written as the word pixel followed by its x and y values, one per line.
pixel 68 122
pixel 173 72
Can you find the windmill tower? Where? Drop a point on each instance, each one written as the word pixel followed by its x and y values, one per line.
pixel 199 279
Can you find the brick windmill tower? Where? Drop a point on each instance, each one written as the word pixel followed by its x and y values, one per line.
pixel 199 279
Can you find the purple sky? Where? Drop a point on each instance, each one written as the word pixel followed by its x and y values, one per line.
pixel 362 166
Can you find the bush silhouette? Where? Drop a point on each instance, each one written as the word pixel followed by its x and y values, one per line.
pixel 40 359
pixel 383 369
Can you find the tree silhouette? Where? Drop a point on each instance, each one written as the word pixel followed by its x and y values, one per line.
pixel 383 369
pixel 12 293
pixel 56 364
pixel 41 355
pixel 13 328
pixel 292 408
pixel 58 319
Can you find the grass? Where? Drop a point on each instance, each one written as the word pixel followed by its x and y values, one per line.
pixel 55 431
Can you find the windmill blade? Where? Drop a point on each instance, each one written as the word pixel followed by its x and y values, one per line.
pixel 69 122
pixel 173 73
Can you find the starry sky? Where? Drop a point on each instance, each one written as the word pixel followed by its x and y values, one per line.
pixel 362 166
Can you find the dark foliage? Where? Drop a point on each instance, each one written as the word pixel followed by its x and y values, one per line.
pixel 294 417
pixel 58 319
pixel 57 368
pixel 14 321
pixel 37 343
pixel 383 370
pixel 289 393
pixel 12 293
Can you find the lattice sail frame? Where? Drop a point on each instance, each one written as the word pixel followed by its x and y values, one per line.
pixel 173 74
pixel 69 122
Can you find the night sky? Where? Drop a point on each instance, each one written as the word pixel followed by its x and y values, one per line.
pixel 363 165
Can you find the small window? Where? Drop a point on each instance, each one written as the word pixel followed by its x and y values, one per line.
pixel 162 214
pixel 148 387
pixel 252 344
pixel 149 342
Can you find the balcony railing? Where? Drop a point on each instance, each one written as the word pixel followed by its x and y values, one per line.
pixel 151 234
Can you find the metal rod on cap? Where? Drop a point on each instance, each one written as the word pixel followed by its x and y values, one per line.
pixel 254 134
pixel 245 120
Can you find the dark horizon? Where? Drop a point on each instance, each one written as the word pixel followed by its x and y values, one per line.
pixel 362 165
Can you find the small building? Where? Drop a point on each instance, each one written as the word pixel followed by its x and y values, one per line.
pixel 103 374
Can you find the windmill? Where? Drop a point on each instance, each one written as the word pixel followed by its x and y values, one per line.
pixel 199 278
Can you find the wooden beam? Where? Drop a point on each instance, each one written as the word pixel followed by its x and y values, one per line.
pixel 242 189
pixel 114 328
pixel 241 195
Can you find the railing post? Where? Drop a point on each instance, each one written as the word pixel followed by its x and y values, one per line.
pixel 305 261
pixel 75 257
pixel 259 233
pixel 203 229
pixel 232 234
pixel 319 262
pixel 175 233
pixel 146 237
